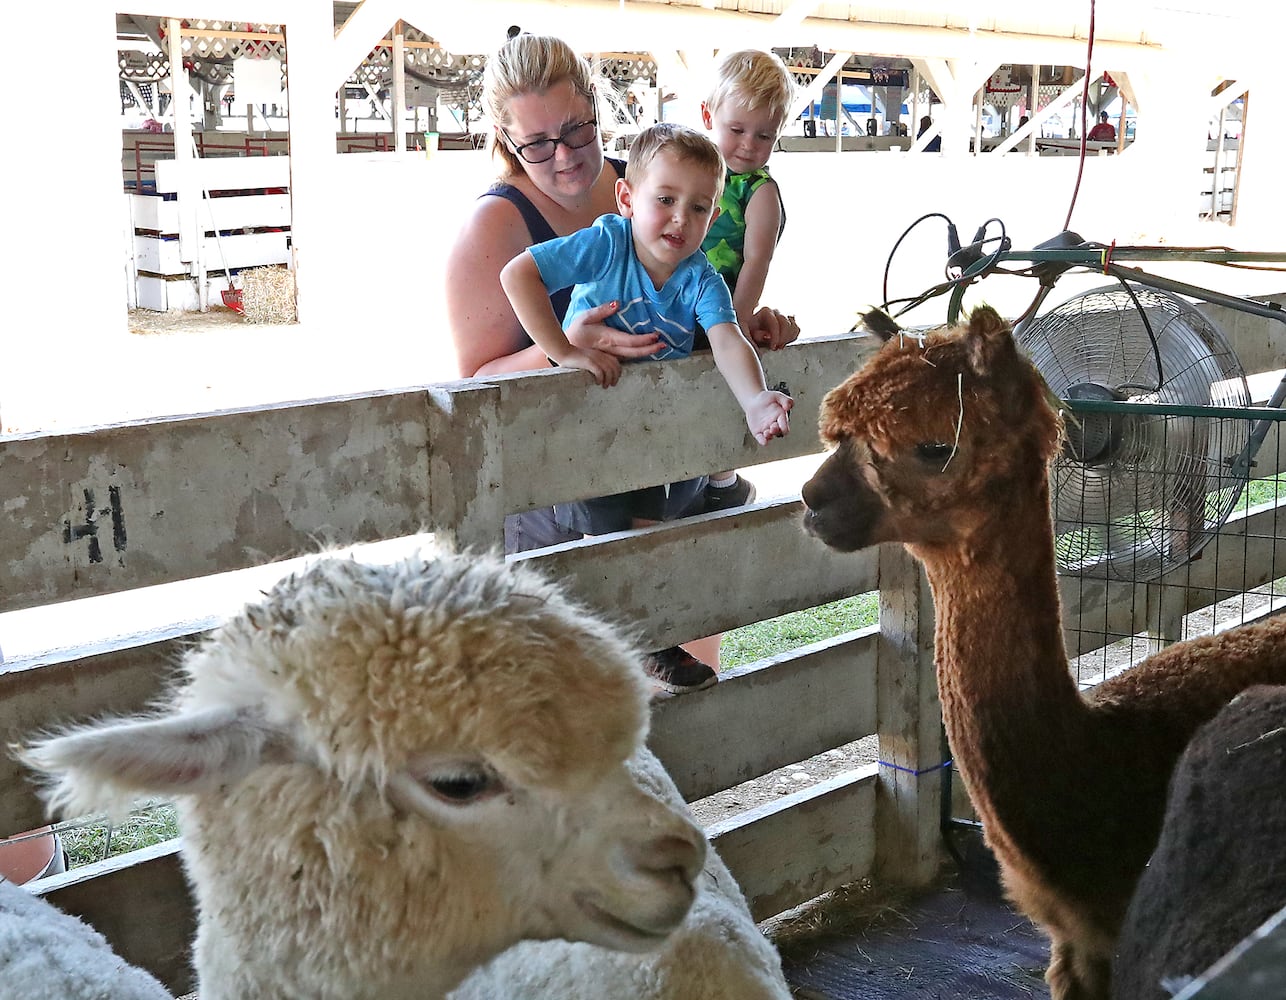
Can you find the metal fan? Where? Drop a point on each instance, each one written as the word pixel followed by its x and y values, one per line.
pixel 1137 494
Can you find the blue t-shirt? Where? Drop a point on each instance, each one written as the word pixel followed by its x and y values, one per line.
pixel 600 261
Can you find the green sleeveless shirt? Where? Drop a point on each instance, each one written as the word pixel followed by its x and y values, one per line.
pixel 724 246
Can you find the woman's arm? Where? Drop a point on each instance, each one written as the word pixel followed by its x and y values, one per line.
pixel 488 338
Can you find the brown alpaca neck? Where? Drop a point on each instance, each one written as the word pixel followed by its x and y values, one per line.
pixel 1013 714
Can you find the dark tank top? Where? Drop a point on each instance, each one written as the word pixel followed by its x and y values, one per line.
pixel 539 228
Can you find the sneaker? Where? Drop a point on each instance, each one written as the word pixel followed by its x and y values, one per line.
pixel 738 494
pixel 678 671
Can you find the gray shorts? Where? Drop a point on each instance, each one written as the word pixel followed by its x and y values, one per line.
pixel 535 529
pixel 618 511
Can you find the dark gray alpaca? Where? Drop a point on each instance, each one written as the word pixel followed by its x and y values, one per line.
pixel 1219 870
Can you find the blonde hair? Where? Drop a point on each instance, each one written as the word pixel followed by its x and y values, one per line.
pixel 528 64
pixel 683 142
pixel 756 78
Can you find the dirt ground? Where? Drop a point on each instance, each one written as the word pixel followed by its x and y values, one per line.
pixel 782 782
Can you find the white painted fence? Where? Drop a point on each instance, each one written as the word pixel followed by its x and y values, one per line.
pixel 231 213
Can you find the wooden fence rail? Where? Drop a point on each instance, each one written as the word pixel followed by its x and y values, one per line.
pixel 100 514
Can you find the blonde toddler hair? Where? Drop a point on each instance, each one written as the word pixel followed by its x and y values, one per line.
pixel 679 140
pixel 528 64
pixel 756 78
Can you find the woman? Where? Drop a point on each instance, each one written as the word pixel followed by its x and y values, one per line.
pixel 554 181
pixel 539 95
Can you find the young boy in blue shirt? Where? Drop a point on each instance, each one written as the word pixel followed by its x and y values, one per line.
pixel 649 260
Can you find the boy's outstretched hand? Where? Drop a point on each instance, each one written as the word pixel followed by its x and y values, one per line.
pixel 768 415
pixel 606 368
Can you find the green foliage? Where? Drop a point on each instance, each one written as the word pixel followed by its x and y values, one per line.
pixel 99 839
pixel 799 628
pixel 1262 491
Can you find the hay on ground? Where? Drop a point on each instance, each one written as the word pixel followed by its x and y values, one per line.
pixel 268 295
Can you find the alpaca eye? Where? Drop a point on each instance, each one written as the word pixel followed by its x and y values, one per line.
pixel 464 786
pixel 934 451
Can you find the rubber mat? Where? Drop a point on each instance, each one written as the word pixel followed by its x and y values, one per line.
pixel 957 941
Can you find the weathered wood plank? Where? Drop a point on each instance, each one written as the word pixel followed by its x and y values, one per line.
pixel 912 742
pixel 621 574
pixel 791 851
pixel 466 476
pixel 138 504
pixel 116 680
pixel 758 718
pixel 1259 343
pixel 690 578
pixel 140 902
pixel 565 438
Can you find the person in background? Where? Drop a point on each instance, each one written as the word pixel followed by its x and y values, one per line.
pixel 1104 131
pixel 934 145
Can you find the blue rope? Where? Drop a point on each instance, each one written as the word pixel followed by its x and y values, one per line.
pixel 911 771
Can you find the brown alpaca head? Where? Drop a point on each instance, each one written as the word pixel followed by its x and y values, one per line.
pixel 933 441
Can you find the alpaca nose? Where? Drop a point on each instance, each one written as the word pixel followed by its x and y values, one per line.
pixel 812 495
pixel 681 853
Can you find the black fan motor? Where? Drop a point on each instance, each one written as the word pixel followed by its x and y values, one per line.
pixel 1093 438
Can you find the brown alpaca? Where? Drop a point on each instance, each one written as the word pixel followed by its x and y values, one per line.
pixel 946 447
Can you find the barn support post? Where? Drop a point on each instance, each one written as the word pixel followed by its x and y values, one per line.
pixel 466 469
pixel 908 796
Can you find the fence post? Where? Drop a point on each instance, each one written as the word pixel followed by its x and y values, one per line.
pixel 466 470
pixel 908 796
pixel 1167 603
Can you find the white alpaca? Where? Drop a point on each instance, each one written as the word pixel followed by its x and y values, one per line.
pixel 45 953
pixel 718 953
pixel 386 775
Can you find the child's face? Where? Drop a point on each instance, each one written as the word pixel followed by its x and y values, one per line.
pixel 672 208
pixel 745 137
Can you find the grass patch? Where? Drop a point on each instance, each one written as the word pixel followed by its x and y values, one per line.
pixel 1262 491
pixel 97 840
pixel 799 628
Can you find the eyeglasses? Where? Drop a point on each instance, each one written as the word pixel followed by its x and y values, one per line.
pixel 573 137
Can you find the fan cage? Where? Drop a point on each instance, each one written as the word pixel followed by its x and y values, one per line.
pixel 1157 423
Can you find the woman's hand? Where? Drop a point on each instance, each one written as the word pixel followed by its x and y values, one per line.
pixel 590 333
pixel 771 329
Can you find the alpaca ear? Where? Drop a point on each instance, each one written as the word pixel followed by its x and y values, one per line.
pixel 103 767
pixel 881 324
pixel 989 342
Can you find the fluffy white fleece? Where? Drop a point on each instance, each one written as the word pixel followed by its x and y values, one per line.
pixel 47 954
pixel 718 952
